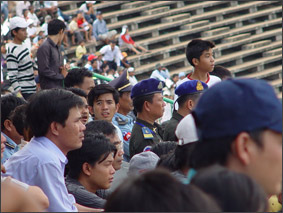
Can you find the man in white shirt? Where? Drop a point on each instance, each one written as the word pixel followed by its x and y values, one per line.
pixel 33 16
pixel 132 78
pixel 21 5
pixel 112 55
pixel 55 120
pixel 160 73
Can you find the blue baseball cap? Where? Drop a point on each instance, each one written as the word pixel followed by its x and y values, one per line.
pixel 191 87
pixel 147 87
pixel 237 105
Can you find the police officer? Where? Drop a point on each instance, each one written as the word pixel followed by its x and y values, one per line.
pixel 149 105
pixel 188 94
pixel 122 119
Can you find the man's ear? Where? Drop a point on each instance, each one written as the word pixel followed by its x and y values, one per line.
pixel 90 108
pixel 146 106
pixel 195 61
pixel 86 169
pixel 8 125
pixel 55 127
pixel 243 148
pixel 190 104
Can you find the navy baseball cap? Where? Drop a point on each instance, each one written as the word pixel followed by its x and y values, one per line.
pixel 122 83
pixel 237 105
pixel 147 87
pixel 191 87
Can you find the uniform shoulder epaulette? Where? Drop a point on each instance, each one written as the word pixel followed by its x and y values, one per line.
pixel 9 145
pixel 147 133
pixel 120 121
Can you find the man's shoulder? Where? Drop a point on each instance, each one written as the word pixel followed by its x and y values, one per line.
pixel 214 78
pixel 182 81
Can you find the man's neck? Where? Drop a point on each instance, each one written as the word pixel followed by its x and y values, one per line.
pixel 89 187
pixel 55 39
pixel 183 112
pixel 199 75
pixel 146 117
pixel 17 41
pixel 123 112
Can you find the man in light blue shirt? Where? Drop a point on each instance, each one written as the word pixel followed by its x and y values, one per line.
pixel 55 120
pixel 121 118
pixel 100 30
pixel 160 73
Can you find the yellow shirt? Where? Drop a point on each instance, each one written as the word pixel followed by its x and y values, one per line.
pixel 80 51
pixel 274 205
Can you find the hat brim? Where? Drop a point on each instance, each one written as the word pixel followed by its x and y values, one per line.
pixel 127 89
pixel 147 94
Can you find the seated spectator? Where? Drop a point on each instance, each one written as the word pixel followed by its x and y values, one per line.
pixel 90 169
pixel 91 64
pixel 125 40
pixel 54 118
pixel 88 11
pixel 240 194
pixel 81 52
pixel 110 74
pixel 121 167
pixel 74 30
pixel 84 110
pixel 142 162
pixel 80 78
pixel 21 5
pixel 124 62
pixel 84 26
pixel 51 8
pixel 25 14
pixel 33 16
pixel 44 26
pixel 39 33
pixel 158 191
pixel 36 45
pixel 99 60
pixel 112 55
pixel 132 78
pixel 31 30
pixel 221 72
pixel 40 10
pixel 4 9
pixel 17 196
pixel 100 30
pixel 160 73
pixel 8 130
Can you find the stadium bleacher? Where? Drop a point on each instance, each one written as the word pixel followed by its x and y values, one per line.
pixel 247 35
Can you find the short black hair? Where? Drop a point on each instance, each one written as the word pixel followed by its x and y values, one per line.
pixel 16 29
pixel 18 118
pixel 100 126
pixel 95 149
pixel 184 98
pixel 8 104
pixel 233 191
pixel 48 106
pixel 139 101
pixel 75 77
pixel 101 89
pixel 77 91
pixel 152 192
pixel 221 72
pixel 163 148
pixel 195 49
pixel 183 155
pixel 55 26
pixel 216 151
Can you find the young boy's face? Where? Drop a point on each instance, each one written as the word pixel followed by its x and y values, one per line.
pixel 206 61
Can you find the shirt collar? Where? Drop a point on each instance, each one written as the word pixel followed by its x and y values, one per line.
pixel 51 42
pixel 51 146
pixel 9 140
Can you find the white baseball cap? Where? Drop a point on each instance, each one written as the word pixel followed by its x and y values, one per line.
pixel 131 69
pixel 18 22
pixel 186 130
pixel 90 2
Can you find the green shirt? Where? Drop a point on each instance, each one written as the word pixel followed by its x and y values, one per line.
pixel 170 128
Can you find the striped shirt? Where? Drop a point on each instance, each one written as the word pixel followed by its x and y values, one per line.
pixel 20 68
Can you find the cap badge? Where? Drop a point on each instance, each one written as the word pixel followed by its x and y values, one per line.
pixel 160 86
pixel 199 86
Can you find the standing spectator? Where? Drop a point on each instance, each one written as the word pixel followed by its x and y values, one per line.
pixel 88 11
pixel 33 16
pixel 50 61
pixel 19 63
pixel 160 73
pixel 4 9
pixel 149 105
pixel 74 30
pixel 125 40
pixel 112 55
pixel 121 118
pixel 132 77
pixel 21 5
pixel 100 30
